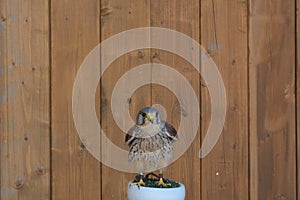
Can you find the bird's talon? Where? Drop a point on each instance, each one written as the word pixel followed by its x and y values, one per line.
pixel 162 183
pixel 140 183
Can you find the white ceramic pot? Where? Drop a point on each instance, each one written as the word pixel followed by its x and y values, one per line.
pixel 148 193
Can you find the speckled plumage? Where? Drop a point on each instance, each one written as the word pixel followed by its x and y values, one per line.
pixel 150 143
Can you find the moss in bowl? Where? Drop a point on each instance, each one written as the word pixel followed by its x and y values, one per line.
pixel 153 182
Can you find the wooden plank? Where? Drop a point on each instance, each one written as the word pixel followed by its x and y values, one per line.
pixel 25 141
pixel 182 16
pixel 120 16
pixel 298 93
pixel 224 36
pixel 74 33
pixel 272 99
pixel 3 85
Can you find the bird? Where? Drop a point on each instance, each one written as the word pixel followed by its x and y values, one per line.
pixel 150 143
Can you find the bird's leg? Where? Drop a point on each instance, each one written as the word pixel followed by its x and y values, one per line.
pixel 161 179
pixel 139 180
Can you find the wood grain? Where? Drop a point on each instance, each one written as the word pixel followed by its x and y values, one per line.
pixel 298 93
pixel 25 160
pixel 182 16
pixel 272 99
pixel 123 15
pixel 74 33
pixel 3 86
pixel 224 36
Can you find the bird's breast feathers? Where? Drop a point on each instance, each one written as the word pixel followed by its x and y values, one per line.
pixel 164 131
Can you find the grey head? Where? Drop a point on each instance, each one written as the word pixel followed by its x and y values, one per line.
pixel 148 115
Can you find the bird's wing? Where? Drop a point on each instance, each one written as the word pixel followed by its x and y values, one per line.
pixel 171 131
pixel 130 136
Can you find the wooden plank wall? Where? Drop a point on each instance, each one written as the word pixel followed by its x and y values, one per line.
pixel 181 16
pixel 255 44
pixel 25 100
pixel 224 35
pixel 272 99
pixel 120 16
pixel 74 33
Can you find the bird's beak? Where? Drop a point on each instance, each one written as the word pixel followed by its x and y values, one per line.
pixel 150 118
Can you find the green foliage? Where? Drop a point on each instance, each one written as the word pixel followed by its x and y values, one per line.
pixel 153 182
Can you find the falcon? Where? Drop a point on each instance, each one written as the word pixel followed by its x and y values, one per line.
pixel 150 143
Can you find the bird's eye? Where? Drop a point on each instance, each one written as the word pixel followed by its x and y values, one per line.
pixel 144 114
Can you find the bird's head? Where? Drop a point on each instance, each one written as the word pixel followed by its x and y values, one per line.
pixel 148 115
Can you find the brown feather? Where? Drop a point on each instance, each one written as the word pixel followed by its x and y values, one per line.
pixel 130 137
pixel 127 138
pixel 171 130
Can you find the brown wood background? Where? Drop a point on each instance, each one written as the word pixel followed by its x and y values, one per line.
pixel 255 44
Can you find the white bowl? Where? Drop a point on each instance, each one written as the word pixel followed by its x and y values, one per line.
pixel 147 193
